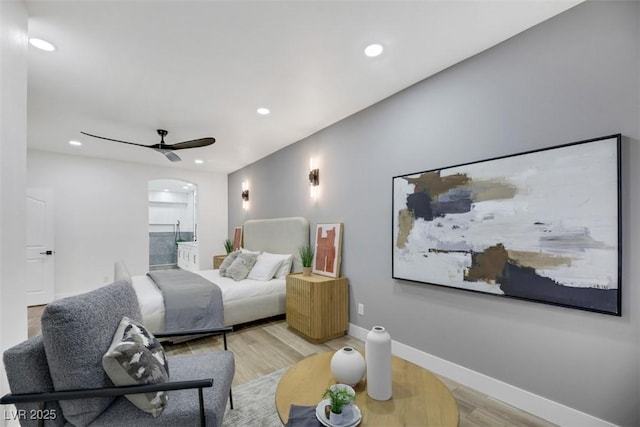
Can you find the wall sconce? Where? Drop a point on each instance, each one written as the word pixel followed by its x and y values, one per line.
pixel 314 179
pixel 245 195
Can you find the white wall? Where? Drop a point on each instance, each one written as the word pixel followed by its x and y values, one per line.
pixel 168 207
pixel 102 214
pixel 13 146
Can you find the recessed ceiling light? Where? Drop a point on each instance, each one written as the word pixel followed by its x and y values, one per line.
pixel 198 161
pixel 373 50
pixel 263 111
pixel 75 143
pixel 166 189
pixel 42 44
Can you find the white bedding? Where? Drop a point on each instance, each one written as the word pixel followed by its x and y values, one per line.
pixel 152 303
pixel 244 301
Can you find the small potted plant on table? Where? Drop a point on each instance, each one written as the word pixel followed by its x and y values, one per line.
pixel 339 395
pixel 228 246
pixel 306 256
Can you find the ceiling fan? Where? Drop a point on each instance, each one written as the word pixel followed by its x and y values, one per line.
pixel 162 147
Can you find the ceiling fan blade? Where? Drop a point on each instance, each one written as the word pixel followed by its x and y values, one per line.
pixel 166 149
pixel 172 156
pixel 202 142
pixel 115 140
pixel 169 154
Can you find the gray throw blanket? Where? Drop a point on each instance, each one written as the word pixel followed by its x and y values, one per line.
pixel 190 300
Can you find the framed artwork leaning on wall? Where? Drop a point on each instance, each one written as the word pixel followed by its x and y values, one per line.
pixel 237 238
pixel 328 250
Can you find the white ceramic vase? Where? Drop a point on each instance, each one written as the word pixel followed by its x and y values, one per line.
pixel 378 358
pixel 348 366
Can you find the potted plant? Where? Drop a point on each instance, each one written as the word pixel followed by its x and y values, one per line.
pixel 228 246
pixel 339 395
pixel 306 256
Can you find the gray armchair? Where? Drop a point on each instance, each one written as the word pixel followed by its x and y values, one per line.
pixel 57 378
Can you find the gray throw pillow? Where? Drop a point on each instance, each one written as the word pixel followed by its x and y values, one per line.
pixel 241 266
pixel 136 357
pixel 222 270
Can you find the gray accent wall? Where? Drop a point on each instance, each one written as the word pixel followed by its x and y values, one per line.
pixel 573 77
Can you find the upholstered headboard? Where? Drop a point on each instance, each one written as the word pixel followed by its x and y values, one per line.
pixel 278 236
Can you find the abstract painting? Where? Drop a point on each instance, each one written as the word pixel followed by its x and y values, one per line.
pixel 542 226
pixel 327 256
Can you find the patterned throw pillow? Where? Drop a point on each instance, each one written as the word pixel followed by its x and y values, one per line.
pixel 241 266
pixel 136 357
pixel 222 270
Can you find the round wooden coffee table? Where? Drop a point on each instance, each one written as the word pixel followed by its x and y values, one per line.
pixel 419 398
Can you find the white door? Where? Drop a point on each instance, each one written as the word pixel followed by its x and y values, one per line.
pixel 40 249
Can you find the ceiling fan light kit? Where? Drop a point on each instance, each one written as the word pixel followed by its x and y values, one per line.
pixel 162 147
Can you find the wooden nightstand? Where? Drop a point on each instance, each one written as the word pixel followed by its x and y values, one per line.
pixel 217 260
pixel 318 306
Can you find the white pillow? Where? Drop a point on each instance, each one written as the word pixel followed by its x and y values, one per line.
pixel 265 267
pixel 285 266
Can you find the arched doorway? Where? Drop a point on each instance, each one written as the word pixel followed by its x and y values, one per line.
pixel 172 219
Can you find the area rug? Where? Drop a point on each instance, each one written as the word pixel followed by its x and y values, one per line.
pixel 255 403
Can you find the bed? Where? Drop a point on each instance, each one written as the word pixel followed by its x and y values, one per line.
pixel 245 300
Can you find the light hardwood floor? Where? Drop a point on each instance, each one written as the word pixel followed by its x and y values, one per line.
pixel 263 347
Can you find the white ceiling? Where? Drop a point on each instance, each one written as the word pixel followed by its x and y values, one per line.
pixel 123 69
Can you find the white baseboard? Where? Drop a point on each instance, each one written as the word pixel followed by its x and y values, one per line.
pixel 514 396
